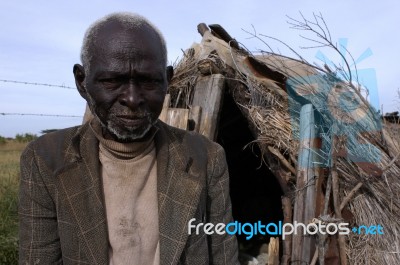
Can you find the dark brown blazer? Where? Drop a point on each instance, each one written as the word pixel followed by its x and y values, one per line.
pixel 61 207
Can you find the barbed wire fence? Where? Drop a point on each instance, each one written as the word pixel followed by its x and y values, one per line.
pixel 35 84
pixel 63 86
pixel 40 114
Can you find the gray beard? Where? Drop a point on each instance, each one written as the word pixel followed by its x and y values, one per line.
pixel 126 136
pixel 123 136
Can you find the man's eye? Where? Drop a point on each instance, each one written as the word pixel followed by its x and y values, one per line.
pixel 151 81
pixel 151 84
pixel 110 81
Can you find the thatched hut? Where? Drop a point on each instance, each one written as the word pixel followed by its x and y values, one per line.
pixel 301 144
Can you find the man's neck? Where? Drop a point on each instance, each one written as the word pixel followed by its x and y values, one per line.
pixel 123 150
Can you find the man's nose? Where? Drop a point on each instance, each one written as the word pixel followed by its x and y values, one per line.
pixel 131 96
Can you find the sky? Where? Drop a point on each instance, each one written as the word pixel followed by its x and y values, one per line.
pixel 40 42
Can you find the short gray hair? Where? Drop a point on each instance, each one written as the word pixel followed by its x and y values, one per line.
pixel 126 19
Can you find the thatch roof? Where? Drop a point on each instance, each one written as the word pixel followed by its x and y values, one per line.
pixel 357 150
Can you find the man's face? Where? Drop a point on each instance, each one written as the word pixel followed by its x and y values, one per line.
pixel 126 82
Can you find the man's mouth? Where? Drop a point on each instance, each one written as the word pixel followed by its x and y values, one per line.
pixel 132 121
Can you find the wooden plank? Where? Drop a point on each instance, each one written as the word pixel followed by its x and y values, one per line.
pixel 236 60
pixel 178 118
pixel 287 218
pixel 208 95
pixel 194 118
pixel 202 28
pixel 320 174
pixel 211 43
pixel 303 246
pixel 164 112
pixel 206 58
pixel 273 251
pixel 224 35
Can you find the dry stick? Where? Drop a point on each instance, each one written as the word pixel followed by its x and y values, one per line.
pixel 391 146
pixel 315 258
pixel 391 162
pixel 320 251
pixel 287 218
pixel 350 195
pixel 178 97
pixel 293 159
pixel 282 159
pixel 341 239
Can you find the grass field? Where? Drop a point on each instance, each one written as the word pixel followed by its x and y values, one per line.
pixel 10 152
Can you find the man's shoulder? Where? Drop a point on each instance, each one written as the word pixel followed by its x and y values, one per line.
pixel 62 135
pixel 53 144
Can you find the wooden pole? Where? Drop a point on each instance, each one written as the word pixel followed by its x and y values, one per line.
pixel 178 118
pixel 273 251
pixel 194 118
pixel 287 243
pixel 208 95
pixel 164 112
pixel 303 246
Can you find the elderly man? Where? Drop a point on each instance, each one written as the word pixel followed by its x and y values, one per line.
pixel 122 188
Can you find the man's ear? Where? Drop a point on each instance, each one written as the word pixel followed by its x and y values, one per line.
pixel 170 73
pixel 79 74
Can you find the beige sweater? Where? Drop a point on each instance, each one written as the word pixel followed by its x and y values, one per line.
pixel 129 174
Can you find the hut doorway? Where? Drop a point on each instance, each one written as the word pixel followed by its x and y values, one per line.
pixel 255 192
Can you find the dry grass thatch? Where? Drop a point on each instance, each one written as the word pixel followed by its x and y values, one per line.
pixel 270 90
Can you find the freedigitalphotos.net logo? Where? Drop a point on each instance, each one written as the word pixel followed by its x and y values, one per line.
pixel 280 229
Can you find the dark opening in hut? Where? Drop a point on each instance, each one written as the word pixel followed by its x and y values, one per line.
pixel 255 192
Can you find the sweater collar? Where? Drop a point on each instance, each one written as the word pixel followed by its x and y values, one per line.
pixel 123 150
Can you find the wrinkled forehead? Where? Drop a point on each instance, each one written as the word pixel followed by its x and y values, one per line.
pixel 119 41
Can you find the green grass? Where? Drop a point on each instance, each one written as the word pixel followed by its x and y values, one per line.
pixel 10 152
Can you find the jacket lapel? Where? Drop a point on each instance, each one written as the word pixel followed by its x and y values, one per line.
pixel 81 182
pixel 178 194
